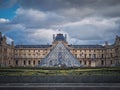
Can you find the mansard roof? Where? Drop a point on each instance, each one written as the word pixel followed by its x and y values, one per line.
pixel 86 46
pixel 33 46
pixel 47 46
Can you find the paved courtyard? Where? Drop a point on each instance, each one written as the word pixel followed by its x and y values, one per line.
pixel 60 86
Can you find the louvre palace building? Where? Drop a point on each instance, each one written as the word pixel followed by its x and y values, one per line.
pixel 59 54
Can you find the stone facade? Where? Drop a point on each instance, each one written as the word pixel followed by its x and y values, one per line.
pixel 31 55
pixel 6 52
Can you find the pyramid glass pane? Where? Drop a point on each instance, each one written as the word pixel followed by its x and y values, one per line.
pixel 60 56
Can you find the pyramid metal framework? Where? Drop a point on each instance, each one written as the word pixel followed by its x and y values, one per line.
pixel 60 56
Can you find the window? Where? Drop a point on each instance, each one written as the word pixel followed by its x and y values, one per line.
pixel 111 55
pixel 85 62
pixel 80 61
pixel 76 55
pixel 24 62
pixel 89 55
pixel 102 55
pixel 89 62
pixel 38 62
pixel 102 62
pixel 34 62
pixel 9 61
pixel 94 55
pixel 111 62
pixel 85 55
pixel 29 62
pixel 16 62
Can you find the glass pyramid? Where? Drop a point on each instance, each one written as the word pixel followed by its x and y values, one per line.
pixel 60 56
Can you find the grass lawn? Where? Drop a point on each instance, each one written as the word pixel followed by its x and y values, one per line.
pixel 60 72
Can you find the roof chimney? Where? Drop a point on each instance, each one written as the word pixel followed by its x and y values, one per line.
pixel 12 43
pixel 65 36
pixel 53 36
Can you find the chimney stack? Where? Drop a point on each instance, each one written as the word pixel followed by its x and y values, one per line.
pixel 53 37
pixel 12 43
pixel 65 36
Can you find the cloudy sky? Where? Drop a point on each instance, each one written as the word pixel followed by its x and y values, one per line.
pixel 84 21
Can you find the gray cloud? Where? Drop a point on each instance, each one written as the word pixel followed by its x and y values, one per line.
pixel 85 21
pixel 58 4
pixel 7 3
pixel 37 19
pixel 86 7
